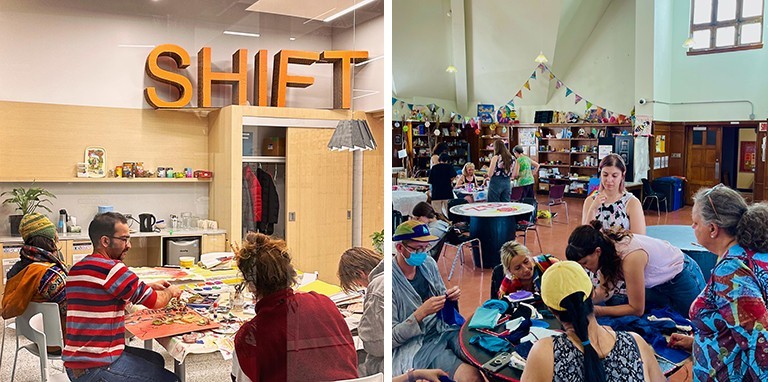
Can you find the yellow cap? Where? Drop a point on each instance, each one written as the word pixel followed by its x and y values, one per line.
pixel 563 279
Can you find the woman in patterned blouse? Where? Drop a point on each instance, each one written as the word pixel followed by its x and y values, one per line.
pixel 612 204
pixel 730 315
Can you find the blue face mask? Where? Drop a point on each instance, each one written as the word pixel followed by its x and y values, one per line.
pixel 416 258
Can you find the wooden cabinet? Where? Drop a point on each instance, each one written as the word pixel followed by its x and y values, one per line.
pixel 568 153
pixel 214 243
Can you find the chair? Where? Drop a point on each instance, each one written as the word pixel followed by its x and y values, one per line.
pixel 371 378
pixel 496 278
pixel 41 324
pixel 649 193
pixel 397 219
pixel 523 226
pixel 457 218
pixel 516 194
pixel 456 238
pixel 556 198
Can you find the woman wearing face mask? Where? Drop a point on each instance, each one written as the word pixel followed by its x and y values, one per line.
pixel 521 270
pixel 420 340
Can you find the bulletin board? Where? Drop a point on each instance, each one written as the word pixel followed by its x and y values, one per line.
pixel 747 157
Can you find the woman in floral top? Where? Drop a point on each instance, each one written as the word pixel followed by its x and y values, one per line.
pixel 730 315
pixel 521 270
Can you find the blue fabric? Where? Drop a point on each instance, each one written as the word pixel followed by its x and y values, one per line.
pixel 669 313
pixel 450 313
pixel 490 343
pixel 499 305
pixel 661 348
pixel 484 318
pixel 134 364
pixel 539 323
pixel 524 349
pixel 652 331
pixel 523 330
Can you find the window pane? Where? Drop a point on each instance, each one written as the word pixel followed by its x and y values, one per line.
pixel 725 36
pixel 701 39
pixel 697 137
pixel 752 8
pixel 726 10
pixel 711 137
pixel 702 11
pixel 750 33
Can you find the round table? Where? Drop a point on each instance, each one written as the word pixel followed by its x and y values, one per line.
pixel 404 201
pixel 494 224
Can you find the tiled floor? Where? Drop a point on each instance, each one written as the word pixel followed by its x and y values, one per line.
pixel 475 284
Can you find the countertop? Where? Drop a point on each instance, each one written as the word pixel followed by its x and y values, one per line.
pixel 162 233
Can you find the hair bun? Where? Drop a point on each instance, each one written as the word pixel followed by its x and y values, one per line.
pixel 596 224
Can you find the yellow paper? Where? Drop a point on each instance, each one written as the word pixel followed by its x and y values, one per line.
pixel 321 287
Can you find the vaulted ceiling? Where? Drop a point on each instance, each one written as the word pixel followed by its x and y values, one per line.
pixel 492 43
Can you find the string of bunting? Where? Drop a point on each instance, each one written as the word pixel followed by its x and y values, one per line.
pixel 568 91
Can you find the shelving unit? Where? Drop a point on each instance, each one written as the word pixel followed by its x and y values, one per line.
pixel 109 180
pixel 575 158
pixel 423 140
pixel 485 141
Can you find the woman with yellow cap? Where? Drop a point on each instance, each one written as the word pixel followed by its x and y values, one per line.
pixel 586 351
pixel 40 275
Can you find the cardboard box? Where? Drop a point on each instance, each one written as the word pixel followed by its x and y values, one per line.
pixel 273 146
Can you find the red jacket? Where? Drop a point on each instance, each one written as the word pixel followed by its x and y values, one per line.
pixel 303 330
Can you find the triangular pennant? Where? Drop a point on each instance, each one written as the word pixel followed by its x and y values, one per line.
pixel 551 76
pixel 527 85
pixel 578 98
pixel 519 93
pixel 589 104
pixel 568 91
pixel 410 106
pixel 394 100
pixel 600 110
pixel 533 76
pixel 541 67
pixel 558 84
pixel 622 116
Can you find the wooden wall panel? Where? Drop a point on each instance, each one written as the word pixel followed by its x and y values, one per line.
pixel 46 140
pixel 373 180
pixel 676 145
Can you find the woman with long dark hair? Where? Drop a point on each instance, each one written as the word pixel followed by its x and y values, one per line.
pixel 586 351
pixel 656 272
pixel 499 187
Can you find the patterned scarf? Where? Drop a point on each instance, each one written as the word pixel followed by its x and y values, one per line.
pixel 30 254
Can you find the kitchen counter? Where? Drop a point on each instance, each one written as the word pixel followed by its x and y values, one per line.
pixel 162 233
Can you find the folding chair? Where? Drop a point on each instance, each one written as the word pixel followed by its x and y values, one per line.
pixel 523 226
pixel 556 198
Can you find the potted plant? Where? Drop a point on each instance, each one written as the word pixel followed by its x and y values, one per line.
pixel 26 200
pixel 377 239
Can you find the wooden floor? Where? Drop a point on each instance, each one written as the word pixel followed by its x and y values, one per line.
pixel 475 284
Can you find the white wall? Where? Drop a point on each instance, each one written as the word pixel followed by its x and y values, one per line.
pixel 57 55
pixel 369 78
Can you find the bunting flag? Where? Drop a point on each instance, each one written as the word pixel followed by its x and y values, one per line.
pixel 394 100
pixel 558 84
pixel 410 106
pixel 527 86
pixel 542 67
pixel 589 104
pixel 551 76
pixel 568 91
pixel 578 98
pixel 519 93
pixel 533 76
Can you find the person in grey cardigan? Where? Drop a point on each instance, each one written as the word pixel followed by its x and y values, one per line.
pixel 420 339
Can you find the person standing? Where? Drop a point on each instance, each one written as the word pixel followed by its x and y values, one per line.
pixel 294 336
pixel 362 267
pixel 525 167
pixel 98 288
pixel 501 169
pixel 441 184
pixel 730 342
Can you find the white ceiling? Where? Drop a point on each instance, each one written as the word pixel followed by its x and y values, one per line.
pixel 501 39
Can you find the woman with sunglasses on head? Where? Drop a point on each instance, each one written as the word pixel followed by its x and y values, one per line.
pixel 656 272
pixel 730 315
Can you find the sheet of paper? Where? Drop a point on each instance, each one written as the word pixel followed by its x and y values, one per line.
pixel 537 333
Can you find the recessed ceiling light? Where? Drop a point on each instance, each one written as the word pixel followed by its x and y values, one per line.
pixel 292 38
pixel 347 10
pixel 246 34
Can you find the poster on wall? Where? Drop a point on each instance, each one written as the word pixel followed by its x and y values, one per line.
pixel 661 143
pixel 642 125
pixel 527 136
pixel 603 151
pixel 485 112
pixel 747 157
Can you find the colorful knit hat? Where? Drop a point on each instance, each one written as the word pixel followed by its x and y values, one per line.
pixel 35 224
pixel 413 230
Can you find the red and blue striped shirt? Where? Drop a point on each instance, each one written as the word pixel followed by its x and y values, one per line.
pixel 97 291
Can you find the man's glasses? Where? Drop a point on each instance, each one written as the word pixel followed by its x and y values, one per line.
pixel 711 203
pixel 126 239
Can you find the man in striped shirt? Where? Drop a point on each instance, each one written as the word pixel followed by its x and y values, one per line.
pixel 98 288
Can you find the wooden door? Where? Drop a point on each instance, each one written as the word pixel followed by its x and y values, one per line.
pixel 704 167
pixel 761 186
pixel 318 201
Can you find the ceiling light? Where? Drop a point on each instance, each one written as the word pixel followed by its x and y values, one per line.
pixel 541 59
pixel 347 10
pixel 449 13
pixel 292 38
pixel 450 69
pixel 688 43
pixel 246 34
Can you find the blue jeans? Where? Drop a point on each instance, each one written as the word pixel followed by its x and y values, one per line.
pixel 679 292
pixel 135 364
pixel 499 189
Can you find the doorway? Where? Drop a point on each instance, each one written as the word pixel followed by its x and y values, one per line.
pixel 704 158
